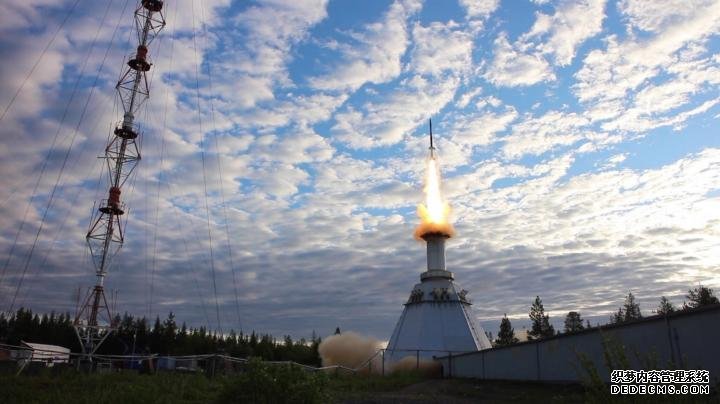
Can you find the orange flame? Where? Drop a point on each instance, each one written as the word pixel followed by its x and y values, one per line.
pixel 435 213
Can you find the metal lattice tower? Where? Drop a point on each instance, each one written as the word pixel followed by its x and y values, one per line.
pixel 94 320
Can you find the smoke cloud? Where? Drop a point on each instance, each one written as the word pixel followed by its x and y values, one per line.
pixel 351 350
pixel 410 363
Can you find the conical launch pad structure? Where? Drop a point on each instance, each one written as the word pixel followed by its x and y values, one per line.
pixel 438 318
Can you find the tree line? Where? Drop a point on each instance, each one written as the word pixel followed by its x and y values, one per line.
pixel 629 311
pixel 134 335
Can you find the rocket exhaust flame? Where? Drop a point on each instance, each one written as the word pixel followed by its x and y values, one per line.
pixel 435 212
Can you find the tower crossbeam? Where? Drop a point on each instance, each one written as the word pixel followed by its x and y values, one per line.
pixel 94 321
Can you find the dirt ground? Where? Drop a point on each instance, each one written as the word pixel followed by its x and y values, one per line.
pixel 461 391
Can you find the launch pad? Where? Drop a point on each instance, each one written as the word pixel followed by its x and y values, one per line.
pixel 438 318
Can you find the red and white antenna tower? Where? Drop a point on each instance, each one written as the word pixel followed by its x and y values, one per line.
pixel 94 320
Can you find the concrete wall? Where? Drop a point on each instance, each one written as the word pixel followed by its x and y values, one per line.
pixel 690 339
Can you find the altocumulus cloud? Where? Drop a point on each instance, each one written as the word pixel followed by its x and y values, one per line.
pixel 577 143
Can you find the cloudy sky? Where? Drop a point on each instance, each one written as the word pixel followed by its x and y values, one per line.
pixel 578 139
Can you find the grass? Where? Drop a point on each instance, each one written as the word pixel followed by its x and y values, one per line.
pixel 73 387
pixel 363 386
pixel 262 383
pixel 423 390
pixel 259 383
pixel 373 382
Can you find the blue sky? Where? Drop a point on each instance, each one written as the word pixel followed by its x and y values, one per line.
pixel 578 143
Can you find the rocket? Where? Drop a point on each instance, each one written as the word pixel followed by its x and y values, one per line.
pixel 432 148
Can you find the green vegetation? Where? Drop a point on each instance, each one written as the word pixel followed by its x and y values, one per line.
pixel 700 296
pixel 629 311
pixel 665 307
pixel 541 327
pixel 263 383
pixel 414 387
pixel 73 387
pixel 258 383
pixel 133 335
pixel 573 322
pixel 615 357
pixel 697 297
pixel 506 336
pixel 347 385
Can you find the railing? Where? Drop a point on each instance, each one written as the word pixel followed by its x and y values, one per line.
pixel 383 361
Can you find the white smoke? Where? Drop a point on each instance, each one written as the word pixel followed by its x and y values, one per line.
pixel 351 350
pixel 356 351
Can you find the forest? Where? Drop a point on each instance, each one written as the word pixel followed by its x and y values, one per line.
pixel 135 335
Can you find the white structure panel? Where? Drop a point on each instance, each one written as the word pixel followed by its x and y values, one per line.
pixel 437 319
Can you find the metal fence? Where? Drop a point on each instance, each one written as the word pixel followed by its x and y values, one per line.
pixel 688 339
pixel 22 359
pixel 684 340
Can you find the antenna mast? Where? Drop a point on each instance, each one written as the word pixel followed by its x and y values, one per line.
pixel 94 322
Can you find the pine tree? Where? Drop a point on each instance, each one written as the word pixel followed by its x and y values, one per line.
pixel 629 311
pixel 573 322
pixel 4 329
pixel 665 307
pixel 506 336
pixel 631 308
pixel 168 334
pixel 618 317
pixel 700 296
pixel 541 326
pixel 155 337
